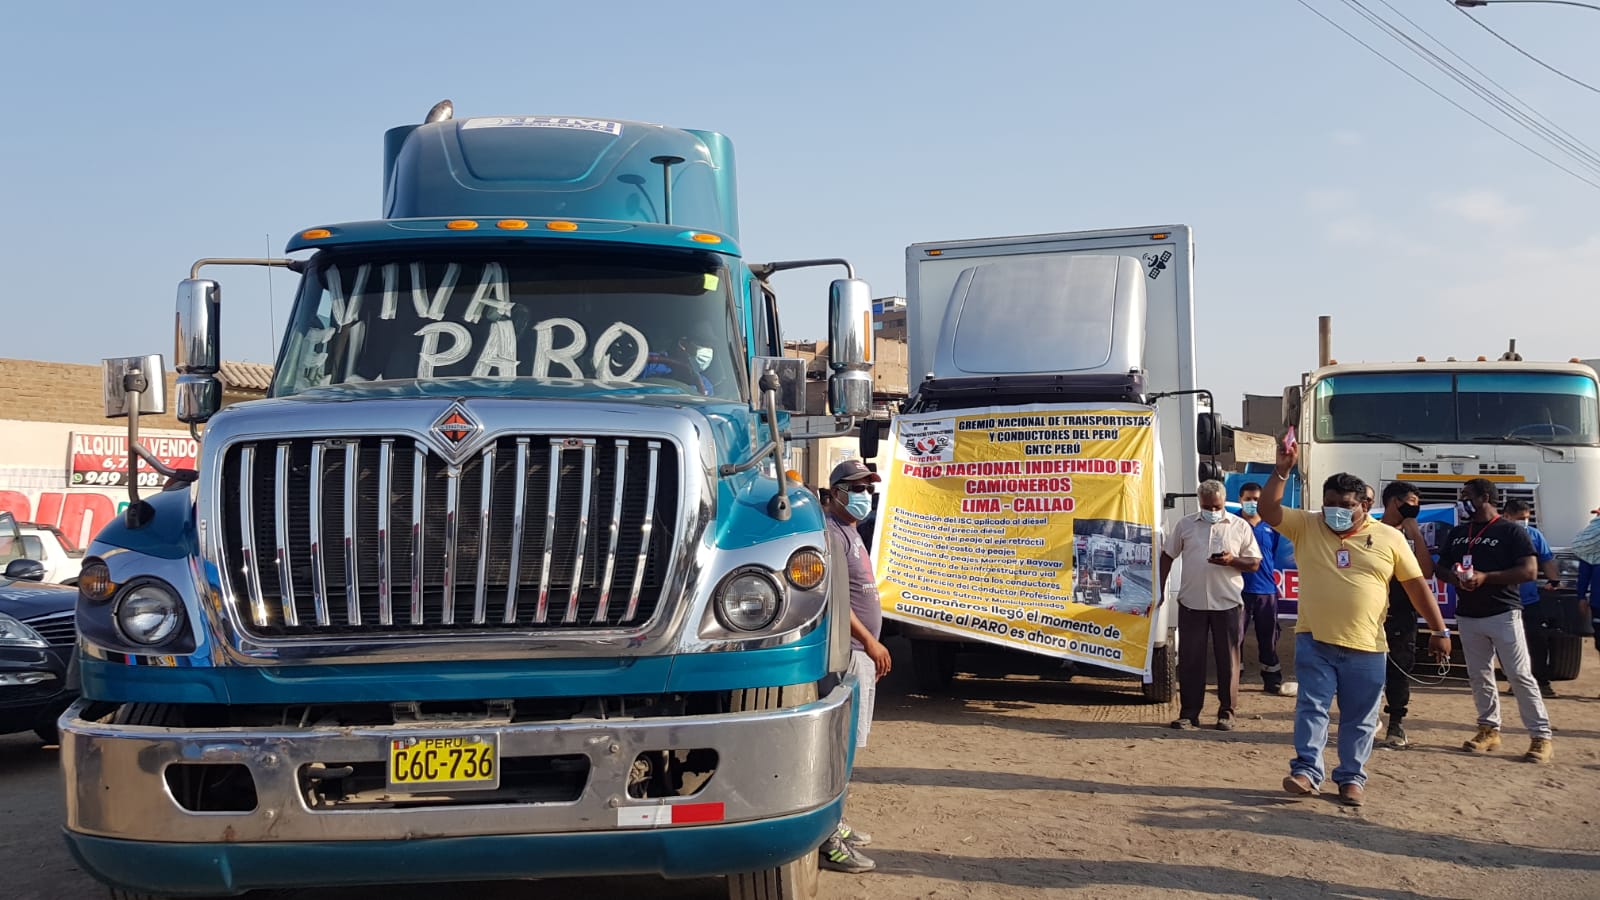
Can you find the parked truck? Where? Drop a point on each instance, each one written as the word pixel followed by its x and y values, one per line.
pixel 503 579
pixel 1532 428
pixel 1101 316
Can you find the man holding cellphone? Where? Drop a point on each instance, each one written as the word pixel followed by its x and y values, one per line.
pixel 1346 561
pixel 1486 559
pixel 1216 549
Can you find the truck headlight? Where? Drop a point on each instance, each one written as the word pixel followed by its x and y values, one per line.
pixel 748 600
pixel 1567 567
pixel 149 613
pixel 16 634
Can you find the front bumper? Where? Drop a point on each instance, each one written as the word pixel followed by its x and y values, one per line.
pixel 774 767
pixel 33 687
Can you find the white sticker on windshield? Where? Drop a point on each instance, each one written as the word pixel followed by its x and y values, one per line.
pixel 600 125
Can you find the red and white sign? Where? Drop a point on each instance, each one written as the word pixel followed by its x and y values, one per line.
pixel 669 814
pixel 101 459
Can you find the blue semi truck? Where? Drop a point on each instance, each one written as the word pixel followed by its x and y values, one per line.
pixel 506 578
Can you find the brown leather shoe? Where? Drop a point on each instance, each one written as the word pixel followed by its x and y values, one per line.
pixel 1352 794
pixel 1299 785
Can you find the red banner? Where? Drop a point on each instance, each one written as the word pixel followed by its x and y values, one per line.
pixel 101 459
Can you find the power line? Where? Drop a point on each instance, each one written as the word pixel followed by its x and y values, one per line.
pixel 1468 63
pixel 1442 96
pixel 1570 146
pixel 1508 42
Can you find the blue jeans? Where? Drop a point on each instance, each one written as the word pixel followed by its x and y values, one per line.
pixel 1355 678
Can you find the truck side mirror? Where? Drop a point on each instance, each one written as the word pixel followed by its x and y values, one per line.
pixel 791 381
pixel 199 350
pixel 198 398
pixel 1208 434
pixel 145 374
pixel 1210 471
pixel 1291 406
pixel 870 435
pixel 199 328
pixel 850 347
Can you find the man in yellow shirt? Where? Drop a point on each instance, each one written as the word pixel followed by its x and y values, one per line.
pixel 1346 559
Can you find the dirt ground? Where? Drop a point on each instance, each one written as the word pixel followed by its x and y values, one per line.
pixel 1032 787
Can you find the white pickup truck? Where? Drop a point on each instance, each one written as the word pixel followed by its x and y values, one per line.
pixel 48 545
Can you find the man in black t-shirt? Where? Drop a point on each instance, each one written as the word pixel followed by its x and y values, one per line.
pixel 1401 504
pixel 1485 558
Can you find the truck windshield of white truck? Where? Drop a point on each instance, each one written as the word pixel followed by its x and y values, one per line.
pixel 599 318
pixel 1545 408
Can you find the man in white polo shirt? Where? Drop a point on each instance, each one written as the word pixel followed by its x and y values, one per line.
pixel 1216 548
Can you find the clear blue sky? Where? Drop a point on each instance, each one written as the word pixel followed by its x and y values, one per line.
pixel 1318 180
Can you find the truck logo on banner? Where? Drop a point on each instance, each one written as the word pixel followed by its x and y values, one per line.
pixel 1032 527
pixel 101 460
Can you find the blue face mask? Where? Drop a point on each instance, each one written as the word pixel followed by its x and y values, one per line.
pixel 1248 507
pixel 859 506
pixel 1338 518
pixel 1213 516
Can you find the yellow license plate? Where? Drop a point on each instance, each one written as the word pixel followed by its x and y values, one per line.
pixel 450 762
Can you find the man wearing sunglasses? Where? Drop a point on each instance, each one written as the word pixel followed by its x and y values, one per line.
pixel 847 502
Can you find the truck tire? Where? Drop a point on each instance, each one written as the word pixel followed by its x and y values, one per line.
pixel 1566 656
pixel 1163 684
pixel 934 664
pixel 796 879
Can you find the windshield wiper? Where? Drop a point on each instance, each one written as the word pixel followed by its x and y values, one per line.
pixel 1519 439
pixel 1385 436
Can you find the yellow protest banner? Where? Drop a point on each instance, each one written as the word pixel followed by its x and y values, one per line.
pixel 1025 526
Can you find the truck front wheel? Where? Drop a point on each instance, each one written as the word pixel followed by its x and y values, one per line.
pixel 1566 655
pixel 1163 674
pixel 796 879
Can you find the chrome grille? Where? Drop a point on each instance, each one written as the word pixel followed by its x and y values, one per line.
pixel 58 629
pixel 362 535
pixel 1449 493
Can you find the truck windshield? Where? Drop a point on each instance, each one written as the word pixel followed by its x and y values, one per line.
pixel 1443 407
pixel 659 319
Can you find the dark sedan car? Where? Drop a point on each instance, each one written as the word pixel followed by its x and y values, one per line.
pixel 38 637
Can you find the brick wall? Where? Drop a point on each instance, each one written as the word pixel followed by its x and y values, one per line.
pixel 64 392
pixel 33 391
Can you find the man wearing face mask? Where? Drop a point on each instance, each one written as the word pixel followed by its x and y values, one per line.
pixel 1261 591
pixel 1538 619
pixel 1216 548
pixel 1346 561
pixel 848 501
pixel 1487 559
pixel 1401 505
pixel 689 361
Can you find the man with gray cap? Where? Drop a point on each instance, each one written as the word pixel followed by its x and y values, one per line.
pixel 1215 548
pixel 848 501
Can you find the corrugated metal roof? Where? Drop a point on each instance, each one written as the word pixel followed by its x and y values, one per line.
pixel 246 376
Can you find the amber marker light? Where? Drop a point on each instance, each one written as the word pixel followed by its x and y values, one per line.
pixel 805 569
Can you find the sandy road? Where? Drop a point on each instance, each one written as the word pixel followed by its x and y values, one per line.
pixel 1031 787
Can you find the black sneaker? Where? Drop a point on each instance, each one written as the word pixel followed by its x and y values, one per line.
pixel 1546 690
pixel 841 857
pixel 1225 723
pixel 1395 738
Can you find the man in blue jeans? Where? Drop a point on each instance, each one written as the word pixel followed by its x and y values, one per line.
pixel 1261 591
pixel 1346 559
